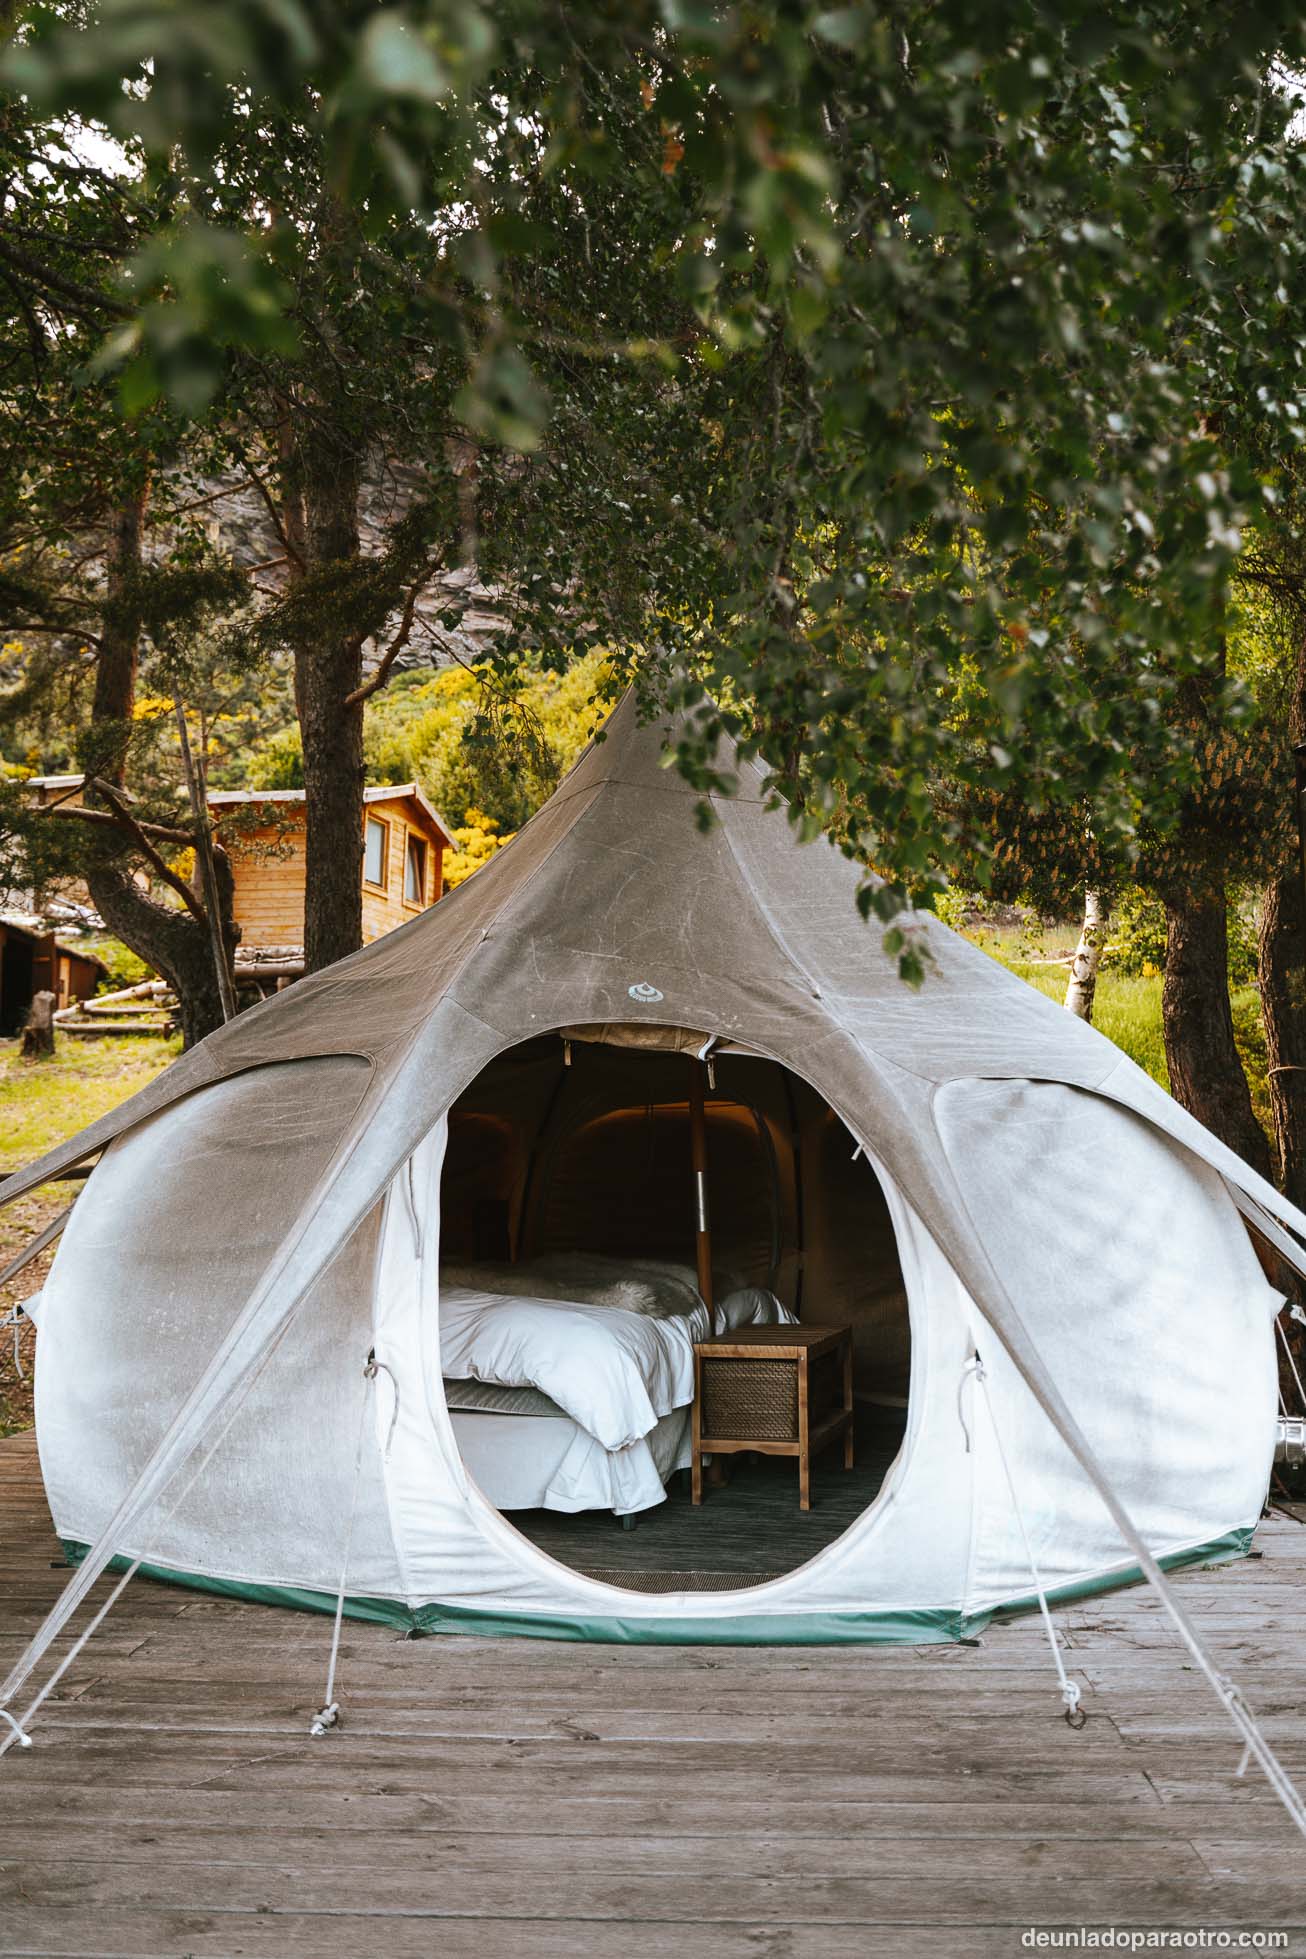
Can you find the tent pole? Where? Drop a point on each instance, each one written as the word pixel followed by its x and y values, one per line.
pixel 698 1155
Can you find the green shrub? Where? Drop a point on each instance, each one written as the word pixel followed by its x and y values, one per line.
pixel 125 969
pixel 1243 958
pixel 279 763
pixel 1136 934
pixel 1249 1033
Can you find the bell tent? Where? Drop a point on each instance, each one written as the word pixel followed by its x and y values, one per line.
pixel 239 1381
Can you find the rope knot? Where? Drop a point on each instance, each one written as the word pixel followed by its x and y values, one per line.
pixel 23 1739
pixel 326 1717
pixel 1076 1715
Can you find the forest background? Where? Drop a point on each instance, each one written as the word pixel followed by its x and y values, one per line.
pixel 914 394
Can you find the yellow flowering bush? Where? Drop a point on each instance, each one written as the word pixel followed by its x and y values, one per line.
pixel 477 839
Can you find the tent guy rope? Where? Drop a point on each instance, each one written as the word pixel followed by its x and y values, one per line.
pixel 328 1715
pixel 17 1321
pixel 34 1246
pixel 1070 1693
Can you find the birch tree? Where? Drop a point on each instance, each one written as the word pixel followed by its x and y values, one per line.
pixel 1081 987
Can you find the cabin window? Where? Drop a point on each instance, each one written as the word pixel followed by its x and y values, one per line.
pixel 376 845
pixel 415 871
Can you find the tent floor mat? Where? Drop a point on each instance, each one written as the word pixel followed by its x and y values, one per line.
pixel 746 1531
pixel 679 1581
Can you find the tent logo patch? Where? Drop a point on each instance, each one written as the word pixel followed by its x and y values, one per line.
pixel 643 991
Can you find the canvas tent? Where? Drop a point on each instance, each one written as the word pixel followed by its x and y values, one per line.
pixel 267 1213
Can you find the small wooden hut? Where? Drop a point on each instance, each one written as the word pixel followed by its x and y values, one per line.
pixel 33 961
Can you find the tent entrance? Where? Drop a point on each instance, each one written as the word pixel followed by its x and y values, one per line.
pixel 582 1149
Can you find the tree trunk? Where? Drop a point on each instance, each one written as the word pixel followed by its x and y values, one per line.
pixel 1282 966
pixel 321 479
pixel 166 938
pixel 1206 1071
pixel 169 940
pixel 1081 988
pixel 206 857
pixel 38 1034
pixel 1282 974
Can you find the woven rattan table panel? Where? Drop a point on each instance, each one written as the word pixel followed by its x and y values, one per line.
pixel 751 1399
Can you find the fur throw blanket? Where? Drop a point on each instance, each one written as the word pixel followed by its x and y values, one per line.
pixel 657 1288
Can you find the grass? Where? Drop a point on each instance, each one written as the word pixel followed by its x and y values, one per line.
pixel 41 1103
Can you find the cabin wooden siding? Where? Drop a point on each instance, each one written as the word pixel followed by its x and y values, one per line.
pixel 385 907
pixel 266 844
pixel 268 865
pixel 76 977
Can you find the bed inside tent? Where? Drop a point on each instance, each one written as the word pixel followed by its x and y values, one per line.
pixel 569 1185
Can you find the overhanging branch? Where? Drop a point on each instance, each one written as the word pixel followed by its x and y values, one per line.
pixel 106 817
pixel 378 679
pixel 162 870
pixel 82 298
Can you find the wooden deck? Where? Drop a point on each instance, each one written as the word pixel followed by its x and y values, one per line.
pixel 492 1798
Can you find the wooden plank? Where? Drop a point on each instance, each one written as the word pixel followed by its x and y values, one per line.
pixel 381 1850
pixel 196 1760
pixel 350 1812
pixel 575 1750
pixel 124 1933
pixel 999 1889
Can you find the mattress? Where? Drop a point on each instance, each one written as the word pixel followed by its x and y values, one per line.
pixel 492 1398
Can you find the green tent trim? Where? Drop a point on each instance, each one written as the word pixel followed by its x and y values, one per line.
pixel 901 1626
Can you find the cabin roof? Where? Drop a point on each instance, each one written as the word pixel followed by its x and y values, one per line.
pixel 28 927
pixel 382 792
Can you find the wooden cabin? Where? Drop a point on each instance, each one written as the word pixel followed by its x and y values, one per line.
pixel 33 961
pixel 401 865
pixel 46 790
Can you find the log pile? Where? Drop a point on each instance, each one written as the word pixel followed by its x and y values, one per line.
pixel 147 1008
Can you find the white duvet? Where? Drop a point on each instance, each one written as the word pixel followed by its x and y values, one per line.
pixel 616 1372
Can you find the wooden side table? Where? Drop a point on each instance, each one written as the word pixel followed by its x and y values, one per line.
pixel 778 1390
